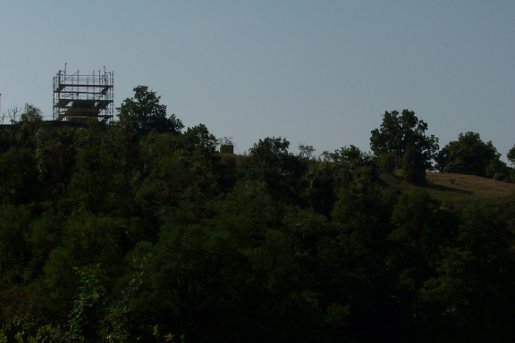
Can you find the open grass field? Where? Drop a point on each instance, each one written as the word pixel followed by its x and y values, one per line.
pixel 458 189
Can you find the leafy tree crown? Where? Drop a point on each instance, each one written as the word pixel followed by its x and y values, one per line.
pixel 144 112
pixel 400 132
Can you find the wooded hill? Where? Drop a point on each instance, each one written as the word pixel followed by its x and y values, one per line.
pixel 140 231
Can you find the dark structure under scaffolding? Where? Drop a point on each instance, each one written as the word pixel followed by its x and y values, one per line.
pixel 80 97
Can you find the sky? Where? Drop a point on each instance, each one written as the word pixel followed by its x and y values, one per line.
pixel 318 73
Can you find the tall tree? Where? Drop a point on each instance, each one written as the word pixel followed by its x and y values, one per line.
pixel 470 155
pixel 400 134
pixel 144 112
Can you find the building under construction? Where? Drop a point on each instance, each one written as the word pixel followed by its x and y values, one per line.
pixel 81 97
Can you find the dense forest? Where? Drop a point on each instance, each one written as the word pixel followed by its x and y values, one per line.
pixel 139 230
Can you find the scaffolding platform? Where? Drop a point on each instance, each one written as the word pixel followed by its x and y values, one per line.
pixel 81 97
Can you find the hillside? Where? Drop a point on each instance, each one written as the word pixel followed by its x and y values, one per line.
pixel 112 233
pixel 459 189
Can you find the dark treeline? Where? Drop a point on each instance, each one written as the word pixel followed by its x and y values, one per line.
pixel 140 231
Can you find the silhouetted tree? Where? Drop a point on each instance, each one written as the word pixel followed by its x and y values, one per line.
pixel 144 112
pixel 470 155
pixel 403 138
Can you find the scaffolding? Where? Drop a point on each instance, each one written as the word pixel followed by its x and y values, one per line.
pixel 80 97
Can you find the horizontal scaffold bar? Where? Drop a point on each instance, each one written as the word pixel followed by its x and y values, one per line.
pixel 98 85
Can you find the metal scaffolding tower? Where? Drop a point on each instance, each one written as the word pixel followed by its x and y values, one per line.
pixel 79 97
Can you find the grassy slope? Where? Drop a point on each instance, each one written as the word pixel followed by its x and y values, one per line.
pixel 458 189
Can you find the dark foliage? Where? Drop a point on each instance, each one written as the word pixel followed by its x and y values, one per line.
pixel 144 233
pixel 143 112
pixel 470 155
pixel 401 132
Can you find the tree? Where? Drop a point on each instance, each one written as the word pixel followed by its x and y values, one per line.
pixel 271 162
pixel 99 180
pixel 413 166
pixel 511 155
pixel 199 138
pixel 144 112
pixel 306 151
pixel 470 155
pixel 402 132
pixel 14 249
pixel 31 120
pixel 18 176
pixel 470 297
pixel 54 155
pixel 31 114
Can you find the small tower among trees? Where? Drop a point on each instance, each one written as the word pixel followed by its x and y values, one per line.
pixel 80 97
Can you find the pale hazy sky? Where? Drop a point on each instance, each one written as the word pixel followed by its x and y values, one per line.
pixel 320 72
